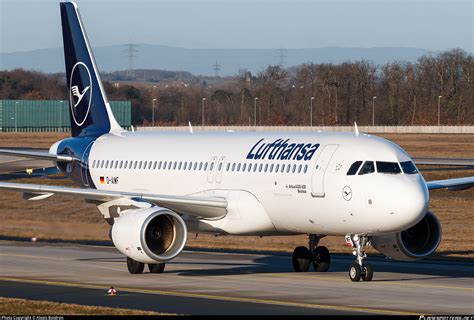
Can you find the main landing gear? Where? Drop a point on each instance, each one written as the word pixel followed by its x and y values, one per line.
pixel 359 270
pixel 136 267
pixel 319 257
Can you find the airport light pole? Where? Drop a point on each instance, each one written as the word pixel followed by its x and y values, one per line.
pixel 373 110
pixel 16 113
pixel 60 114
pixel 203 101
pixel 153 114
pixel 311 113
pixel 255 111
pixel 439 112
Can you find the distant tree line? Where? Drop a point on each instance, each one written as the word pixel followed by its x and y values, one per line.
pixel 397 93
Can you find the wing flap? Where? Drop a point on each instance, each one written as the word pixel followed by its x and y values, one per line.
pixel 445 162
pixel 204 207
pixel 452 184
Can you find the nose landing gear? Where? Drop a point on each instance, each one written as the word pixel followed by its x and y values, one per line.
pixel 359 270
pixel 319 257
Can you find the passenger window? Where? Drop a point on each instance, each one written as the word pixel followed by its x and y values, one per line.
pixel 135 163
pixel 154 165
pixel 175 165
pixel 93 164
pixel 244 166
pixel 299 168
pixel 159 165
pixel 408 167
pixel 388 167
pixel 288 168
pixel 266 167
pixel 116 164
pixel 255 167
pixel 305 168
pixel 271 167
pixel 249 168
pixel 367 168
pixel 282 168
pixel 170 164
pixel 260 168
pixel 144 164
pixel 354 167
pixel 277 167
pixel 107 164
pixel 238 167
pixel 220 166
pixel 195 166
pixel 294 168
pixel 121 164
pixel 211 167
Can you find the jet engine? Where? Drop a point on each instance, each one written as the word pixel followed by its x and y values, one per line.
pixel 149 235
pixel 415 243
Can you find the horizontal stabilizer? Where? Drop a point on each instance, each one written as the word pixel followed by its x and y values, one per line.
pixel 37 155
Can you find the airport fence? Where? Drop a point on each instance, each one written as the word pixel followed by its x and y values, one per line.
pixel 49 115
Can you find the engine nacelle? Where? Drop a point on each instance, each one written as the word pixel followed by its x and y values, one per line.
pixel 415 243
pixel 149 235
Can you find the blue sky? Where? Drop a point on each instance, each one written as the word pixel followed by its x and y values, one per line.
pixel 435 25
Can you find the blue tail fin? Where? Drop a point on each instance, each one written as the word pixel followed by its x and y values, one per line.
pixel 91 114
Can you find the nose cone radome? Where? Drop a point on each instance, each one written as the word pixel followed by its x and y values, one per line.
pixel 411 202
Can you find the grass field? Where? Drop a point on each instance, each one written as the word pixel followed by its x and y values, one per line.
pixel 73 219
pixel 13 306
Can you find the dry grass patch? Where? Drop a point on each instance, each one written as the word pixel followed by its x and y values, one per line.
pixel 13 306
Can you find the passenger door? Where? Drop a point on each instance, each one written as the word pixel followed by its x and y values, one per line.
pixel 210 169
pixel 320 168
pixel 220 168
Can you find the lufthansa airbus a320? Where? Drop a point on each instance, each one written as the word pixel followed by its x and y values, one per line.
pixel 153 188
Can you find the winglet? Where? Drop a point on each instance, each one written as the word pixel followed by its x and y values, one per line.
pixel 356 129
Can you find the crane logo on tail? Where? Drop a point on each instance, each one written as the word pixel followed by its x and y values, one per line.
pixel 80 93
pixel 75 92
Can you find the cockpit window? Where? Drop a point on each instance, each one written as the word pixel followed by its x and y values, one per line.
pixel 367 168
pixel 388 167
pixel 408 167
pixel 354 167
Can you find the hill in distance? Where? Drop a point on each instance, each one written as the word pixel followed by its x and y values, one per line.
pixel 201 61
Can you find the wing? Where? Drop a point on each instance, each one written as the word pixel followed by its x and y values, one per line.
pixel 452 184
pixel 203 207
pixel 445 161
pixel 37 155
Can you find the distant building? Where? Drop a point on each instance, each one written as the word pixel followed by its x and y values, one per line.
pixel 49 115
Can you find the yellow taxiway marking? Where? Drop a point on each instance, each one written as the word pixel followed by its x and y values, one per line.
pixel 374 282
pixel 213 297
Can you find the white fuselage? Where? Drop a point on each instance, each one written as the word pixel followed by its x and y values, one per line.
pixel 285 191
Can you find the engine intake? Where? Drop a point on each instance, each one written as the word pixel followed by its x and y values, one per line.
pixel 149 235
pixel 415 243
